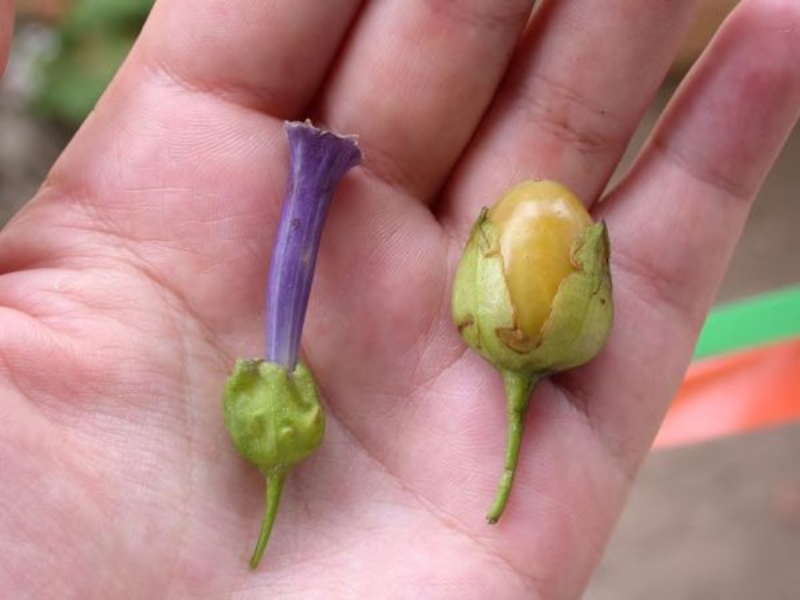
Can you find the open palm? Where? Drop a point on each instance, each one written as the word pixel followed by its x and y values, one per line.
pixel 135 277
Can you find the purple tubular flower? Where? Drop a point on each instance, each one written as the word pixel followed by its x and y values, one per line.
pixel 318 161
pixel 272 406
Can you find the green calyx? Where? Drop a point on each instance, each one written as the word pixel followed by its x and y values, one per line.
pixel 275 420
pixel 580 316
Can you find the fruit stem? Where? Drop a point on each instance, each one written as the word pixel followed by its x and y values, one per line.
pixel 275 483
pixel 518 390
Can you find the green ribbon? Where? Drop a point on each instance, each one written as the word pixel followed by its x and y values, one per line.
pixel 756 321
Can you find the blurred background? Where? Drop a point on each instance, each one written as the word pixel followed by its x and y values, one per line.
pixel 716 511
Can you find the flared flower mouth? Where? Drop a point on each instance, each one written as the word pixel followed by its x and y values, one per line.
pixel 318 161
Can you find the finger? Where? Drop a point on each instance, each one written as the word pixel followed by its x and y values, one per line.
pixel 6 26
pixel 268 54
pixel 676 218
pixel 571 101
pixel 414 80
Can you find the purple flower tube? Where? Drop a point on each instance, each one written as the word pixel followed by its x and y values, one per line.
pixel 319 159
pixel 272 407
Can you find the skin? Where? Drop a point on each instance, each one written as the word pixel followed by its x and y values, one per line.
pixel 136 275
pixel 538 223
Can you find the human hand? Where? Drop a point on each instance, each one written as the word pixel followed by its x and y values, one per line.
pixel 135 277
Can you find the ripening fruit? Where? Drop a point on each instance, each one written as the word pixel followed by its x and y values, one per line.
pixel 532 294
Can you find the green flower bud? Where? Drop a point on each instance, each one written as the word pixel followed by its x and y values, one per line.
pixel 532 294
pixel 275 420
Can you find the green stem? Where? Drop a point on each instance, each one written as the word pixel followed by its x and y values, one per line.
pixel 518 390
pixel 274 490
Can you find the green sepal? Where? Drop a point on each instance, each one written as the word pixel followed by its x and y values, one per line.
pixel 582 312
pixel 275 418
pixel 481 304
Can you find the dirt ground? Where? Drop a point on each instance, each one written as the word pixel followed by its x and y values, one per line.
pixel 714 520
pixel 27 149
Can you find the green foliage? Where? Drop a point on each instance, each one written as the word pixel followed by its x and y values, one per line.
pixel 93 40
